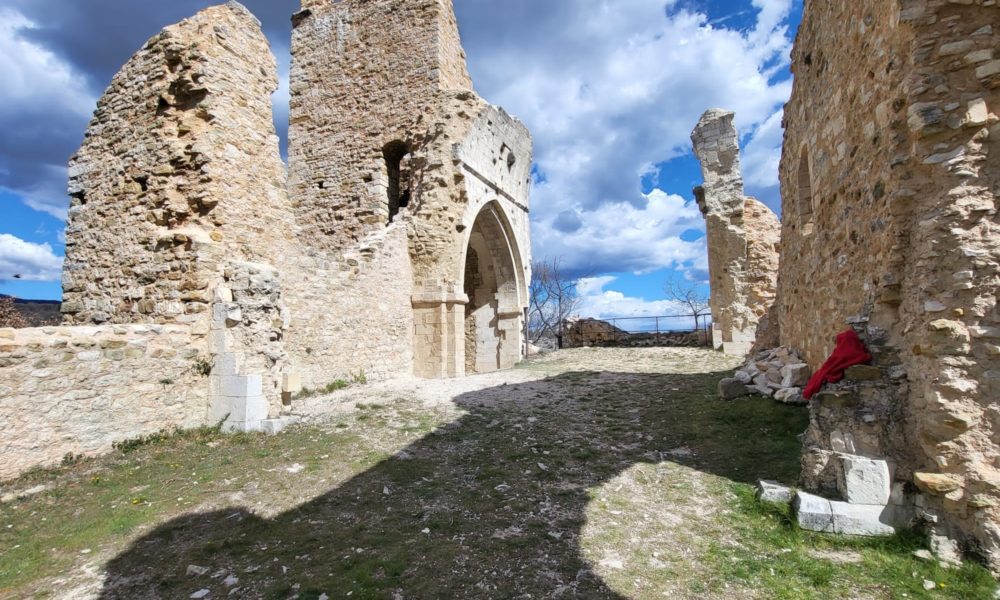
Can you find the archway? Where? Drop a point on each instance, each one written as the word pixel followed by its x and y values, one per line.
pixel 493 315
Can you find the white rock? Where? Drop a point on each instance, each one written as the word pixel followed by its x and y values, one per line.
pixel 865 481
pixel 772 491
pixel 193 570
pixel 813 513
pixel 200 594
pixel 858 519
pixel 795 375
pixel 231 580
pixel 790 396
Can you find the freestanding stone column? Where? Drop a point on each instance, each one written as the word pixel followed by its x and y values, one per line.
pixel 743 237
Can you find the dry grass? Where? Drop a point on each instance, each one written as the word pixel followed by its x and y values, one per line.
pixel 583 474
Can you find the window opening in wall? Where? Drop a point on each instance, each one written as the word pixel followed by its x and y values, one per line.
pixel 805 200
pixel 395 155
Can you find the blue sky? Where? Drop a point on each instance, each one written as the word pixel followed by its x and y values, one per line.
pixel 610 90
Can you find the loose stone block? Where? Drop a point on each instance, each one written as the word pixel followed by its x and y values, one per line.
pixel 730 389
pixel 813 513
pixel 772 491
pixel 865 480
pixel 861 519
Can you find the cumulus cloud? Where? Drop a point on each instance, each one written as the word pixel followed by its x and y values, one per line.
pixel 600 303
pixel 620 236
pixel 44 106
pixel 32 262
pixel 610 89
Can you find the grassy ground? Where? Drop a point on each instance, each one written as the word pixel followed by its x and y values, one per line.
pixel 586 474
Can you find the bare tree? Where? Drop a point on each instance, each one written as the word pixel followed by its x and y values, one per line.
pixel 691 297
pixel 9 315
pixel 553 300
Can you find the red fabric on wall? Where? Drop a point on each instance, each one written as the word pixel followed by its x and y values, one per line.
pixel 850 351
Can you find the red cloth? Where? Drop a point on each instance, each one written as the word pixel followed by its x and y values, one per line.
pixel 850 351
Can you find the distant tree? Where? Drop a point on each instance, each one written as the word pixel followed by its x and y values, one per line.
pixel 554 299
pixel 9 315
pixel 691 297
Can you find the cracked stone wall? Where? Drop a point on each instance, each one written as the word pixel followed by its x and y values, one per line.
pixel 889 179
pixel 743 237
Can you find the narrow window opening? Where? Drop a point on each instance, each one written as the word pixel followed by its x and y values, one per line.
pixel 805 197
pixel 397 170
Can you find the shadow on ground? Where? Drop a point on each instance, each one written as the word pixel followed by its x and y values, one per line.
pixel 490 506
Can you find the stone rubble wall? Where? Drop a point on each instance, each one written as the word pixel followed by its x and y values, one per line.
pixel 179 166
pixel 743 237
pixel 78 390
pixel 889 176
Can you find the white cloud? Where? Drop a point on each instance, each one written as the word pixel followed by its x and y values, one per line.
pixel 33 262
pixel 762 154
pixel 610 89
pixel 42 100
pixel 600 303
pixel 621 237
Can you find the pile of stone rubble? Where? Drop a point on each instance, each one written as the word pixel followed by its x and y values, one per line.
pixel 777 373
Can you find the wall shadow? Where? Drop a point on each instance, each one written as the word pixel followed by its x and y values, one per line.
pixel 490 506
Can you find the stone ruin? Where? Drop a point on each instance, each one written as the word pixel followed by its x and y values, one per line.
pixel 204 281
pixel 743 239
pixel 889 177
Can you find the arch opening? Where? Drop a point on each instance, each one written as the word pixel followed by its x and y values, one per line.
pixel 493 316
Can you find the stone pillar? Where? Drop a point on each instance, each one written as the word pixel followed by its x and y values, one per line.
pixel 742 265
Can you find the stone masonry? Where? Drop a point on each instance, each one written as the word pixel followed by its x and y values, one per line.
pixel 889 178
pixel 398 245
pixel 743 237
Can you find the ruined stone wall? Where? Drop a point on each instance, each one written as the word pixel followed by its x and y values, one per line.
pixel 364 75
pixel 179 168
pixel 889 177
pixel 78 390
pixel 742 235
pixel 382 121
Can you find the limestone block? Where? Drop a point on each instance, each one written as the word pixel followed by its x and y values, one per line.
pixel 865 481
pixel 795 375
pixel 790 396
pixel 291 383
pixel 861 519
pixel 772 491
pixel 813 513
pixel 239 386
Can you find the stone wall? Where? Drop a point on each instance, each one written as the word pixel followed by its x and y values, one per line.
pixel 393 160
pixel 179 167
pixel 78 390
pixel 401 182
pixel 743 237
pixel 889 176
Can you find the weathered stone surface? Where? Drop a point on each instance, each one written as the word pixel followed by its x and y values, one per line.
pixel 937 483
pixel 772 491
pixel 865 481
pixel 889 174
pixel 790 396
pixel 863 373
pixel 861 519
pixel 85 399
pixel 795 375
pixel 813 513
pixel 743 237
pixel 399 243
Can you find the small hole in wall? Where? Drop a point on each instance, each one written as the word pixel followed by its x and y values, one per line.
pixel 321 185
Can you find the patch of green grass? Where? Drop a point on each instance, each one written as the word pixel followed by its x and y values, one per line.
pixel 786 563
